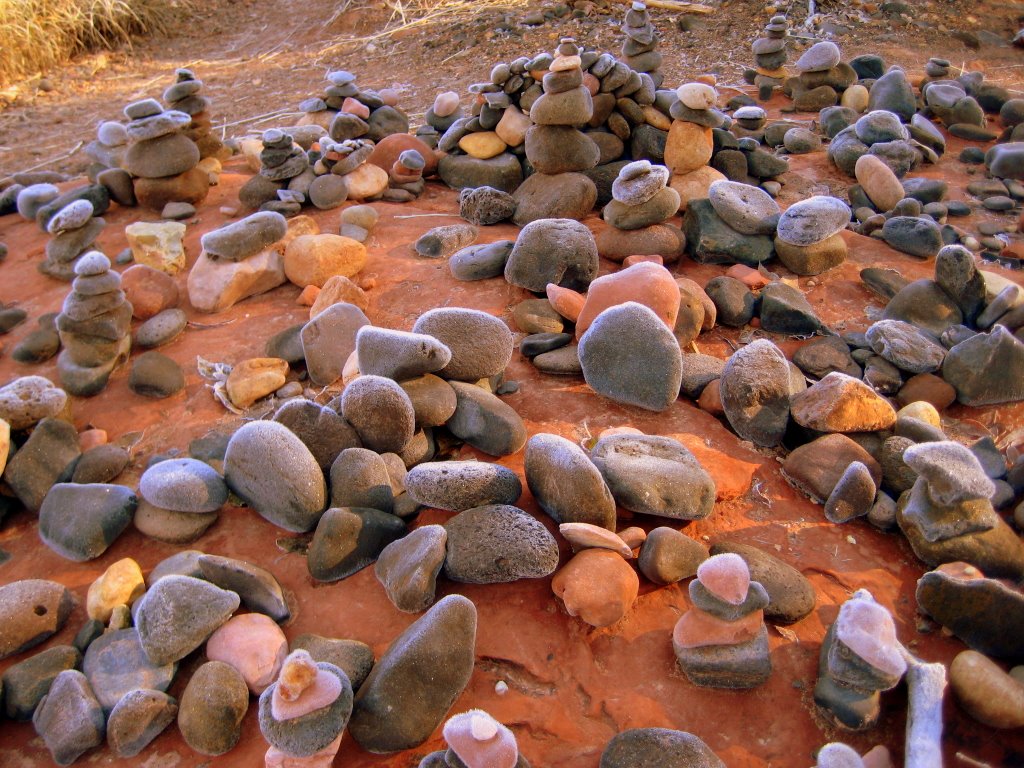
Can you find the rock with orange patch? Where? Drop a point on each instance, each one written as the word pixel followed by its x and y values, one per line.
pixel 649 284
pixel 314 259
pixel 254 379
pixel 598 586
pixel 149 291
pixel 841 403
pixel 694 185
pixel 192 186
pixel 215 285
pixel 696 629
pixel 566 302
pixel 308 296
pixel 688 147
pixel 664 240
pixel 986 692
pixel 385 153
pixel 339 289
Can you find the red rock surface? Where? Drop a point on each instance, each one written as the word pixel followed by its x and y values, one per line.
pixel 571 687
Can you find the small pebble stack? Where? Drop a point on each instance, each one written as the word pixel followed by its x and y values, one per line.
pixel 639 50
pixel 641 205
pixel 770 58
pixel 690 142
pixel 350 112
pixel 823 77
pixel 282 162
pixel 184 96
pixel 73 232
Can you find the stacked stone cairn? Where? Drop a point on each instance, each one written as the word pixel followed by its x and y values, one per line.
pixel 722 641
pixel 283 164
pixel 476 740
pixel 405 179
pixel 963 116
pixel 107 150
pixel 184 96
pixel 178 518
pixel 770 58
pixel 860 657
pixel 73 231
pixel 162 158
pixel 94 327
pixel 556 148
pixel 639 50
pixel 823 77
pixel 690 143
pixel 350 112
pixel 807 237
pixel 641 205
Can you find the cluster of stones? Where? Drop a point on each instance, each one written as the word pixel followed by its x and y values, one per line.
pixel 641 205
pixel 185 96
pixel 94 327
pixel 179 500
pixel 860 657
pixel 72 219
pixel 108 148
pixel 722 641
pixel 639 50
pixel 161 158
pixel 824 80
pixel 769 58
pixel 347 111
pixel 284 165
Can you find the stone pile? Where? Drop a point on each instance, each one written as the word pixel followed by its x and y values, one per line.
pixel 722 641
pixel 73 233
pixel 162 158
pixel 347 111
pixel 555 147
pixel 638 213
pixel 476 740
pixel 690 143
pixel 860 657
pixel 108 148
pixel 94 327
pixel 769 58
pixel 185 96
pixel 639 50
pixel 823 78
pixel 881 133
pixel 283 165
pixel 406 175
pixel 180 500
pixel 731 222
pixel 808 236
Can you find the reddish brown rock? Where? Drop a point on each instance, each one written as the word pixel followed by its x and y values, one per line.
pixel 148 290
pixel 929 388
pixel 649 284
pixel 386 153
pixel 598 586
pixel 191 186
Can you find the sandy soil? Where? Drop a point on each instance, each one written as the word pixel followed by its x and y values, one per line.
pixel 571 688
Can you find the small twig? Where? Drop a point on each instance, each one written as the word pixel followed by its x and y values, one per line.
pixel 43 164
pixel 204 326
pixel 971 761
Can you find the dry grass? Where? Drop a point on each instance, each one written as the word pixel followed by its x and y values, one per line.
pixel 38 34
pixel 413 14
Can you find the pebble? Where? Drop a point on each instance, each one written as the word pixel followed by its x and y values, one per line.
pixel 969 368
pixel 79 522
pixel 314 259
pixel 212 707
pixel 155 375
pixel 755 391
pixel 433 400
pixel 359 478
pixel 254 645
pixel 27 400
pixel 329 338
pixel 349 539
pixel 596 585
pixel 381 413
pixel 842 403
pixel 352 657
pixel 853 495
pixel 952 472
pixel 256 587
pixel 24 684
pixel 301 717
pixel 813 220
pixel 408 567
pixel 148 290
pixel 178 613
pixel 986 692
pixel 498 543
pixel 399 355
pixel 416 681
pixel 270 468
pixel 69 718
pixel 906 347
pixel 658 747
pixel 478 740
pixel 485 421
pixel 530 264
pixel 566 483
pixel 121 584
pixel 921 237
pixel 116 664
pixel 47 456
pixel 22 626
pixel 138 718
pixel 461 485
pixel 481 345
pixel 485 205
pixel 668 556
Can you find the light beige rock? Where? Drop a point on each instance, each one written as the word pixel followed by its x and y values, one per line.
pixel 841 403
pixel 314 259
pixel 366 181
pixel 482 145
pixel 212 167
pixel 158 244
pixel 634 536
pixel 213 286
pixel 694 289
pixel 697 95
pixel 688 147
pixel 30 399
pixel 921 410
pixel 986 692
pixel 656 118
pixel 350 371
pixel 253 644
pixel 275 758
pixel 512 127
pixel 587 536
pixel 812 259
pixel 879 182
pixel 250 149
pixel 5 444
pixel 121 584
pixel 255 378
pixel 694 184
pixel 336 289
pixel 855 97
pixel 297 226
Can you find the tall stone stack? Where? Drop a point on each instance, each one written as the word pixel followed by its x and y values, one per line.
pixel 823 77
pixel 107 151
pixel 556 148
pixel 73 231
pixel 94 327
pixel 860 658
pixel 639 50
pixel 185 96
pixel 161 157
pixel 641 205
pixel 770 58
pixel 722 641
pixel 690 141
pixel 283 165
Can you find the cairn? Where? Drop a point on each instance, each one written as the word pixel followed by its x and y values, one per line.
pixel 184 96
pixel 639 50
pixel 350 112
pixel 641 205
pixel 770 58
pixel 73 231
pixel 94 327
pixel 283 166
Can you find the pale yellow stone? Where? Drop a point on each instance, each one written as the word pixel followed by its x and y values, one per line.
pixel 855 97
pixel 366 181
pixel 921 410
pixel 121 584
pixel 314 259
pixel 212 167
pixel 5 444
pixel 695 184
pixel 587 536
pixel 255 378
pixel 250 149
pixel 297 226
pixel 697 96
pixel 688 147
pixel 634 536
pixel 565 63
pixel 350 372
pixel 513 126
pixel 337 289
pixel 482 145
pixel 656 118
pixel 275 758
pixel 213 286
pixel 158 244
pixel 323 118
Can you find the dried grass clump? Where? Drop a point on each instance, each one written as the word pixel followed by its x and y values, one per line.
pixel 37 34
pixel 413 14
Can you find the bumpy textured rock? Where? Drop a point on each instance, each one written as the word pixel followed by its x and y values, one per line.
pixel 416 681
pixel 755 391
pixel 178 613
pixel 566 484
pixel 952 472
pixel 560 251
pixel 22 626
pixel 459 485
pixel 481 345
pixel 658 748
pixel 655 475
pixel 498 543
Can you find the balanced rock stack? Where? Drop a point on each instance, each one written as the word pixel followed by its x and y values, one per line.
pixel 690 142
pixel 960 112
pixel 823 77
pixel 184 96
pixel 162 158
pixel 283 163
pixel 722 641
pixel 808 237
pixel 180 500
pixel 556 149
pixel 350 112
pixel 444 111
pixel 304 713
pixel 860 657
pixel 948 515
pixel 405 179
pixel 74 230
pixel 639 50
pixel 641 204
pixel 345 171
pixel 770 58
pixel 107 151
pixel 94 327
pixel 732 223
pixel 476 740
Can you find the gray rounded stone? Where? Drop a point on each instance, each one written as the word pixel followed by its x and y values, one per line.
pixel 212 708
pixel 161 329
pixel 481 345
pixel 498 543
pixel 460 485
pixel 184 485
pixel 755 391
pixel 658 748
pixel 560 251
pixel 747 209
pixel 485 421
pixel 380 412
pixel 813 220
pixel 348 539
pixel 359 478
pixel 138 718
pixel 399 355
pixel 116 664
pixel 178 613
pixel 408 568
pixel 566 483
pixel 668 556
